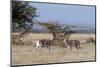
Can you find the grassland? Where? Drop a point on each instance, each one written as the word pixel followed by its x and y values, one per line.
pixel 26 54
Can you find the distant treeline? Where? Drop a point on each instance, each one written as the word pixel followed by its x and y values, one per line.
pixel 46 31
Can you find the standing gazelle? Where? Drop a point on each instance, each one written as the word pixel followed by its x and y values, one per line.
pixel 73 43
pixel 46 43
pixel 42 43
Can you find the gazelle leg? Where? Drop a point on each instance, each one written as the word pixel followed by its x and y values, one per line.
pixel 77 47
pixel 80 47
pixel 71 48
pixel 49 48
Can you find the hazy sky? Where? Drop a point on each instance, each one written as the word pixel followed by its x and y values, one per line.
pixel 66 14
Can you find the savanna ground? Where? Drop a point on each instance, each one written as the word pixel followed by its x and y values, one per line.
pixel 26 54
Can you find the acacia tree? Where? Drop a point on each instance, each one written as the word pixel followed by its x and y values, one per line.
pixel 52 27
pixel 56 29
pixel 22 16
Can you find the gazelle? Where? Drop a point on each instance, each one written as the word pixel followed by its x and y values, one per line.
pixel 73 43
pixel 42 43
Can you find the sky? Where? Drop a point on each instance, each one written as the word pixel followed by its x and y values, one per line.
pixel 66 14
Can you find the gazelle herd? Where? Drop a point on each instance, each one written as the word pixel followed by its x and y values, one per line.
pixel 48 43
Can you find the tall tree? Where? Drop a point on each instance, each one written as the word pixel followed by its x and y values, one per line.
pixel 22 16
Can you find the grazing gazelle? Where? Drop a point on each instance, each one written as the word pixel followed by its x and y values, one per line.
pixel 73 43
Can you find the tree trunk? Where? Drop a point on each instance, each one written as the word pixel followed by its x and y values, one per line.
pixel 54 36
pixel 17 39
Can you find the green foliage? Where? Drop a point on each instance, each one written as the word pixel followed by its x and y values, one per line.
pixel 22 15
pixel 50 26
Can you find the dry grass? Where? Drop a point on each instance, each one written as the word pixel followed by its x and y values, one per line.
pixel 26 54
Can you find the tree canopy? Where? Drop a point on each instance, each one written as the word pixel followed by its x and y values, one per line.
pixel 23 15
